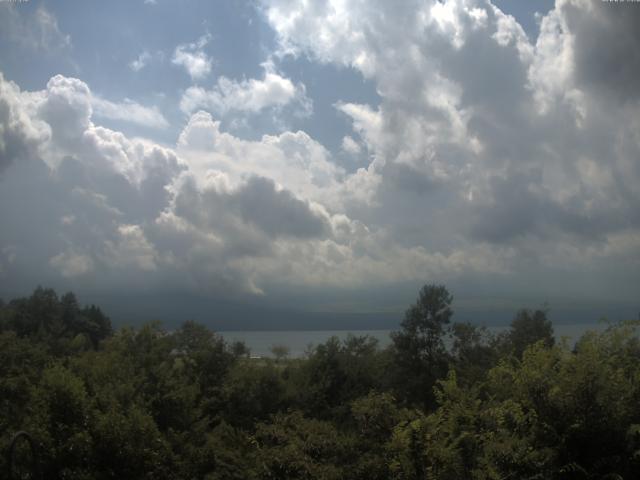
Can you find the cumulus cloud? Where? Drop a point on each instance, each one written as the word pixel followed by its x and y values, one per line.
pixel 67 107
pixel 481 135
pixel 489 156
pixel 192 57
pixel 21 134
pixel 292 159
pixel 595 49
pixel 250 96
pixel 74 192
pixel 219 214
pixel 258 203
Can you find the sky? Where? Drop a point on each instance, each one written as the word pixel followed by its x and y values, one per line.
pixel 308 163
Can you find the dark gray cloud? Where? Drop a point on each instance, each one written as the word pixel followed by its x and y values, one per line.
pixel 277 212
pixel 409 179
pixel 258 203
pixel 606 47
pixel 518 210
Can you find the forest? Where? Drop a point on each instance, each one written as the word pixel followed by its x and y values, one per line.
pixel 444 401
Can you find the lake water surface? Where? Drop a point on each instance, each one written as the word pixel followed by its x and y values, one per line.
pixel 298 341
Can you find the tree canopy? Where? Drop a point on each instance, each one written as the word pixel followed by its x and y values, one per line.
pixel 443 401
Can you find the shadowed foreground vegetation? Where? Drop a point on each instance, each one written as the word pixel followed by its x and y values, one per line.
pixel 147 403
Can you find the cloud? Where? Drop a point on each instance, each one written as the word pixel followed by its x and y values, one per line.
pixel 259 203
pixel 248 96
pixel 140 62
pixel 70 264
pixel 482 136
pixel 491 161
pixel 292 159
pixel 219 215
pixel 21 134
pixel 144 59
pixel 66 107
pixel 603 47
pixel 193 59
pixel 350 146
pixel 70 105
pixel 129 111
pixel 131 247
pixel 37 30
pixel 83 190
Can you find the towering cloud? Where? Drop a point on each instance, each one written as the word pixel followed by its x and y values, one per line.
pixel 508 137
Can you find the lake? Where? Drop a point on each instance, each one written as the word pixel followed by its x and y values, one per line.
pixel 298 341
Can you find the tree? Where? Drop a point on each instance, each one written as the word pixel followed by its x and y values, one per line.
pixel 420 354
pixel 280 352
pixel 59 419
pixel 239 349
pixel 472 352
pixel 95 324
pixel 252 392
pixel 337 372
pixel 292 446
pixel 529 327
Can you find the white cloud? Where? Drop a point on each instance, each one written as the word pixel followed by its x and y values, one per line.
pixel 129 111
pixel 251 96
pixel 70 264
pixel 479 165
pixel 22 134
pixel 241 212
pixel 141 61
pixel 35 30
pixel 66 107
pixel 553 63
pixel 366 122
pixel 293 159
pixel 350 146
pixel 477 121
pixel 192 57
pixel 131 247
pixel 145 58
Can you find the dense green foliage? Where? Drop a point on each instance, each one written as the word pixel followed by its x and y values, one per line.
pixel 444 401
